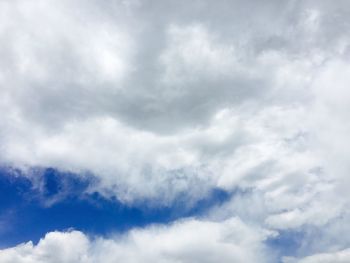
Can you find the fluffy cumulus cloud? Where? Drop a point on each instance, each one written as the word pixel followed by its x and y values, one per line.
pixel 161 99
pixel 185 241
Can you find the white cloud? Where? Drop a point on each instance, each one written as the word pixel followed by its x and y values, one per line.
pixel 162 100
pixel 342 256
pixel 185 241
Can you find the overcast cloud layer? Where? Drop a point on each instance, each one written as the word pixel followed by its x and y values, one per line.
pixel 161 99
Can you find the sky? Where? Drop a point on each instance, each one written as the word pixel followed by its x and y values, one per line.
pixel 174 131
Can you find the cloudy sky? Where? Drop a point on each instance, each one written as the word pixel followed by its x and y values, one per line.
pixel 174 131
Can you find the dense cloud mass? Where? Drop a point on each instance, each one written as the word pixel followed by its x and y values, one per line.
pixel 161 99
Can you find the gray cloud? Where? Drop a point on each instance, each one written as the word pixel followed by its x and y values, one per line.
pixel 232 94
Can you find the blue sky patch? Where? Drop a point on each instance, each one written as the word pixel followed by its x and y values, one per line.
pixel 25 213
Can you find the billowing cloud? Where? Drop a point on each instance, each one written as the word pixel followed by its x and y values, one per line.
pixel 159 100
pixel 185 241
